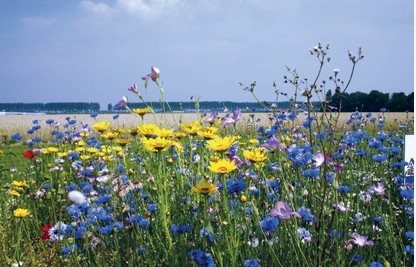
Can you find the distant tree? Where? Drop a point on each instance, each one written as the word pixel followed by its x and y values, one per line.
pixel 357 101
pixel 377 100
pixel 398 102
pixel 411 102
pixel 110 107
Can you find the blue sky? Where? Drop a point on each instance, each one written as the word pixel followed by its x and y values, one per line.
pixel 93 50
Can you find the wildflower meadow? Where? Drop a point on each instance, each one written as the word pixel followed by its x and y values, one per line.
pixel 213 191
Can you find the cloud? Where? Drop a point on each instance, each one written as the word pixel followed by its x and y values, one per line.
pixel 147 9
pixel 96 8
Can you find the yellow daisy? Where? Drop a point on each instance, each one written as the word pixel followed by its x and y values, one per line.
pixel 142 111
pixel 221 144
pixel 157 144
pixel 191 128
pixel 205 188
pixel 19 183
pixel 21 213
pixel 147 130
pixel 101 126
pixel 256 154
pixel 109 135
pixel 222 166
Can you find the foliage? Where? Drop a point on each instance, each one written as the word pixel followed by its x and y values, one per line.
pixel 294 193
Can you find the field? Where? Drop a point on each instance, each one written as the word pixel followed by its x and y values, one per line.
pixel 231 189
pixel 11 124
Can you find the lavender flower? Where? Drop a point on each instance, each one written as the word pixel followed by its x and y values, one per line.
pixel 360 240
pixel 283 211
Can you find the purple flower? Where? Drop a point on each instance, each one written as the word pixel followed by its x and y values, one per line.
pixel 231 119
pixel 341 206
pixel 378 189
pixel 211 117
pixel 360 240
pixel 122 102
pixel 133 89
pixel 283 210
pixel 304 235
pixel 319 159
pixel 274 142
pixel 154 75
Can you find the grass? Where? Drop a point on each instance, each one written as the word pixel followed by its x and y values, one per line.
pixel 143 209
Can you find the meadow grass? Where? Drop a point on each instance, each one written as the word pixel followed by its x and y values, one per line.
pixel 286 190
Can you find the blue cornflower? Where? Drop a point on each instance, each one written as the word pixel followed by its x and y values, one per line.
pixel 71 187
pixel 69 249
pixel 74 212
pixel 107 229
pixel 235 187
pixel 335 233
pixel 94 115
pixel 300 155
pixel 307 215
pixel 273 184
pixel 409 234
pixel 151 207
pixel 17 137
pixel 377 219
pixel 102 199
pixel 330 177
pixel 58 232
pixel 407 193
pixel 343 189
pixel 46 186
pixel 311 173
pixel 202 258
pixel 73 155
pixel 409 249
pixel 204 232
pixel 357 258
pixel 115 117
pixel 253 262
pixel 376 264
pixel 269 224
pixel 379 157
pixel 304 235
pixel 141 250
pixel 361 152
pixel 180 229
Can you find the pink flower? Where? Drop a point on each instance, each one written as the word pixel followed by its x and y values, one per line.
pixel 341 206
pixel 211 117
pixel 283 210
pixel 319 159
pixel 122 102
pixel 133 89
pixel 154 75
pixel 360 240
pixel 231 119
pixel 378 189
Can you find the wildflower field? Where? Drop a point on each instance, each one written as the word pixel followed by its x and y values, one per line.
pixel 287 190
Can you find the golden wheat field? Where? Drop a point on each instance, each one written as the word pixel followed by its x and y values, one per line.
pixel 10 124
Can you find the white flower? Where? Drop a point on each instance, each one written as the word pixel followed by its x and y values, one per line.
pixel 77 197
pixel 336 71
pixel 103 179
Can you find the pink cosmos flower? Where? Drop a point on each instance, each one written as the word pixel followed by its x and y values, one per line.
pixel 154 75
pixel 283 210
pixel 211 117
pixel 360 240
pixel 231 119
pixel 122 102
pixel 378 189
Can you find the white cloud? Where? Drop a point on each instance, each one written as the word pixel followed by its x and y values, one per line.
pixel 96 8
pixel 142 8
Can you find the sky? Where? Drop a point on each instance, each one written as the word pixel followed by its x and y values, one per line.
pixel 94 50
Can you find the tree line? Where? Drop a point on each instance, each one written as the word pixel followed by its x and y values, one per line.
pixel 371 102
pixel 54 107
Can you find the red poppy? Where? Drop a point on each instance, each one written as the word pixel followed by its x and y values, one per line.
pixel 45 230
pixel 28 154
